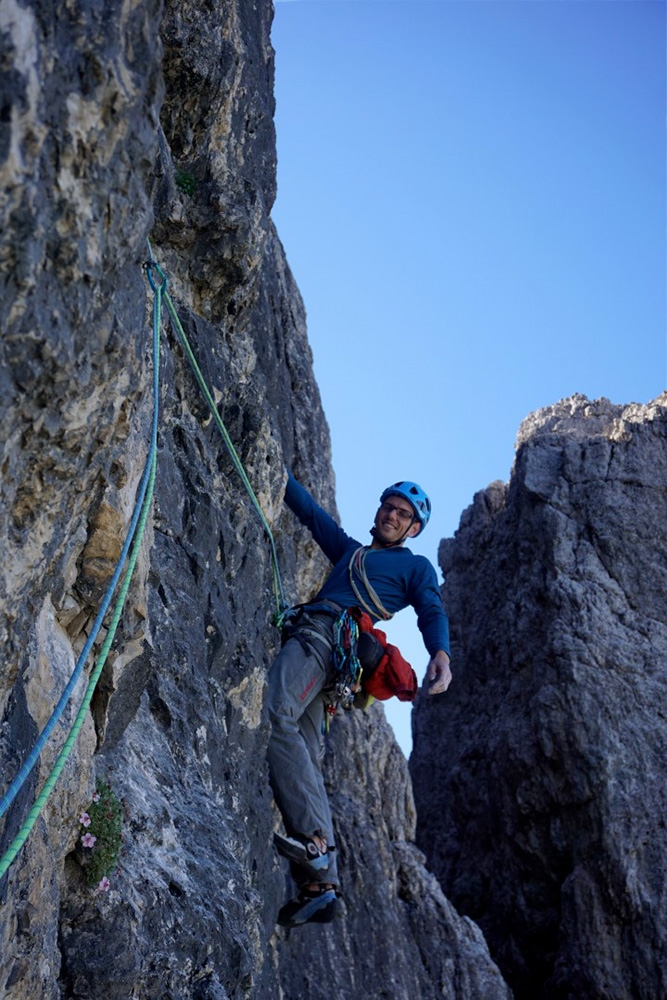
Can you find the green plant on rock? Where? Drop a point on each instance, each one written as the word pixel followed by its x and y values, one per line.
pixel 102 837
pixel 185 182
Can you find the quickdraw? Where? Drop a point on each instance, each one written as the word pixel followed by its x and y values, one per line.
pixel 346 663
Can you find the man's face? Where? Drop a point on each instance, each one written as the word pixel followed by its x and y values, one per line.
pixel 392 519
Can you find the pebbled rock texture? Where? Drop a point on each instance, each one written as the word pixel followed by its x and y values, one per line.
pixel 540 778
pixel 122 121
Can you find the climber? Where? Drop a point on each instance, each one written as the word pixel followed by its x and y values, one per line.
pixel 382 578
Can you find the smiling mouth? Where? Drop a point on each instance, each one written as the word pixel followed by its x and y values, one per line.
pixel 390 525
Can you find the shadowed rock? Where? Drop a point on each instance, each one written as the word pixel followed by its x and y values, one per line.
pixel 540 778
pixel 398 937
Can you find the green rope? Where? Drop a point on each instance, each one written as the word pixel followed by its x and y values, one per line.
pixel 21 837
pixel 160 293
pixel 32 817
pixel 281 604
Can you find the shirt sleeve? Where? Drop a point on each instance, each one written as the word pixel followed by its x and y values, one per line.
pixel 431 616
pixel 327 533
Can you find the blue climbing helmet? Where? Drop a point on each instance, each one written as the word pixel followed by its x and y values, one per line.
pixel 415 496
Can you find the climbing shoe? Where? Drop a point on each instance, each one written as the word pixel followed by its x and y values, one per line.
pixel 315 906
pixel 304 853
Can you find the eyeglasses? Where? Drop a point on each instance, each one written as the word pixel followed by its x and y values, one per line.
pixel 401 512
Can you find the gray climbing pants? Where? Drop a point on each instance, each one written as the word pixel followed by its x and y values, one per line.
pixel 302 669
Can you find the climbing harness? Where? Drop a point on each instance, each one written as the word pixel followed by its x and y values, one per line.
pixel 340 639
pixel 357 566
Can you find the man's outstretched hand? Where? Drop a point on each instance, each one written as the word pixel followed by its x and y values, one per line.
pixel 439 675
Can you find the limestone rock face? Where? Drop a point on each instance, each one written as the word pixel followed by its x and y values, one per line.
pixel 122 121
pixel 400 937
pixel 540 777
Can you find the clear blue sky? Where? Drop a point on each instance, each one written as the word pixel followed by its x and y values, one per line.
pixel 471 196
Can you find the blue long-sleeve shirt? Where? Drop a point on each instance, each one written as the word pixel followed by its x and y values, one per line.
pixel 398 576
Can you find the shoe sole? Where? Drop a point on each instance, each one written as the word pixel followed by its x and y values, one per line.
pixel 295 851
pixel 321 909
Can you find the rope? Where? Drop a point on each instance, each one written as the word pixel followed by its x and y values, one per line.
pixel 358 563
pixel 133 539
pixel 32 758
pixel 142 507
pixel 281 604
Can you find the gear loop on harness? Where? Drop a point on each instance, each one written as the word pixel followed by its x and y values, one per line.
pixel 346 663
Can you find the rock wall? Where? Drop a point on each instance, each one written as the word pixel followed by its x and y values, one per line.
pixel 120 121
pixel 540 778
pixel 399 936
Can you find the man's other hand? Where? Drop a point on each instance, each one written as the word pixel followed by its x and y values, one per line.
pixel 439 674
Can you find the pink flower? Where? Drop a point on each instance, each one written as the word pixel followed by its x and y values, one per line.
pixel 104 885
pixel 88 840
pixel 96 797
pixel 84 819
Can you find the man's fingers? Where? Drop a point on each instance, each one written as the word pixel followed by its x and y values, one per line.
pixel 442 682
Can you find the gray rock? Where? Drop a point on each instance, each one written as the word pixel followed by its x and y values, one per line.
pixel 398 936
pixel 540 777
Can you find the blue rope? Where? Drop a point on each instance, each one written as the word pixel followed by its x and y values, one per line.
pixel 34 754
